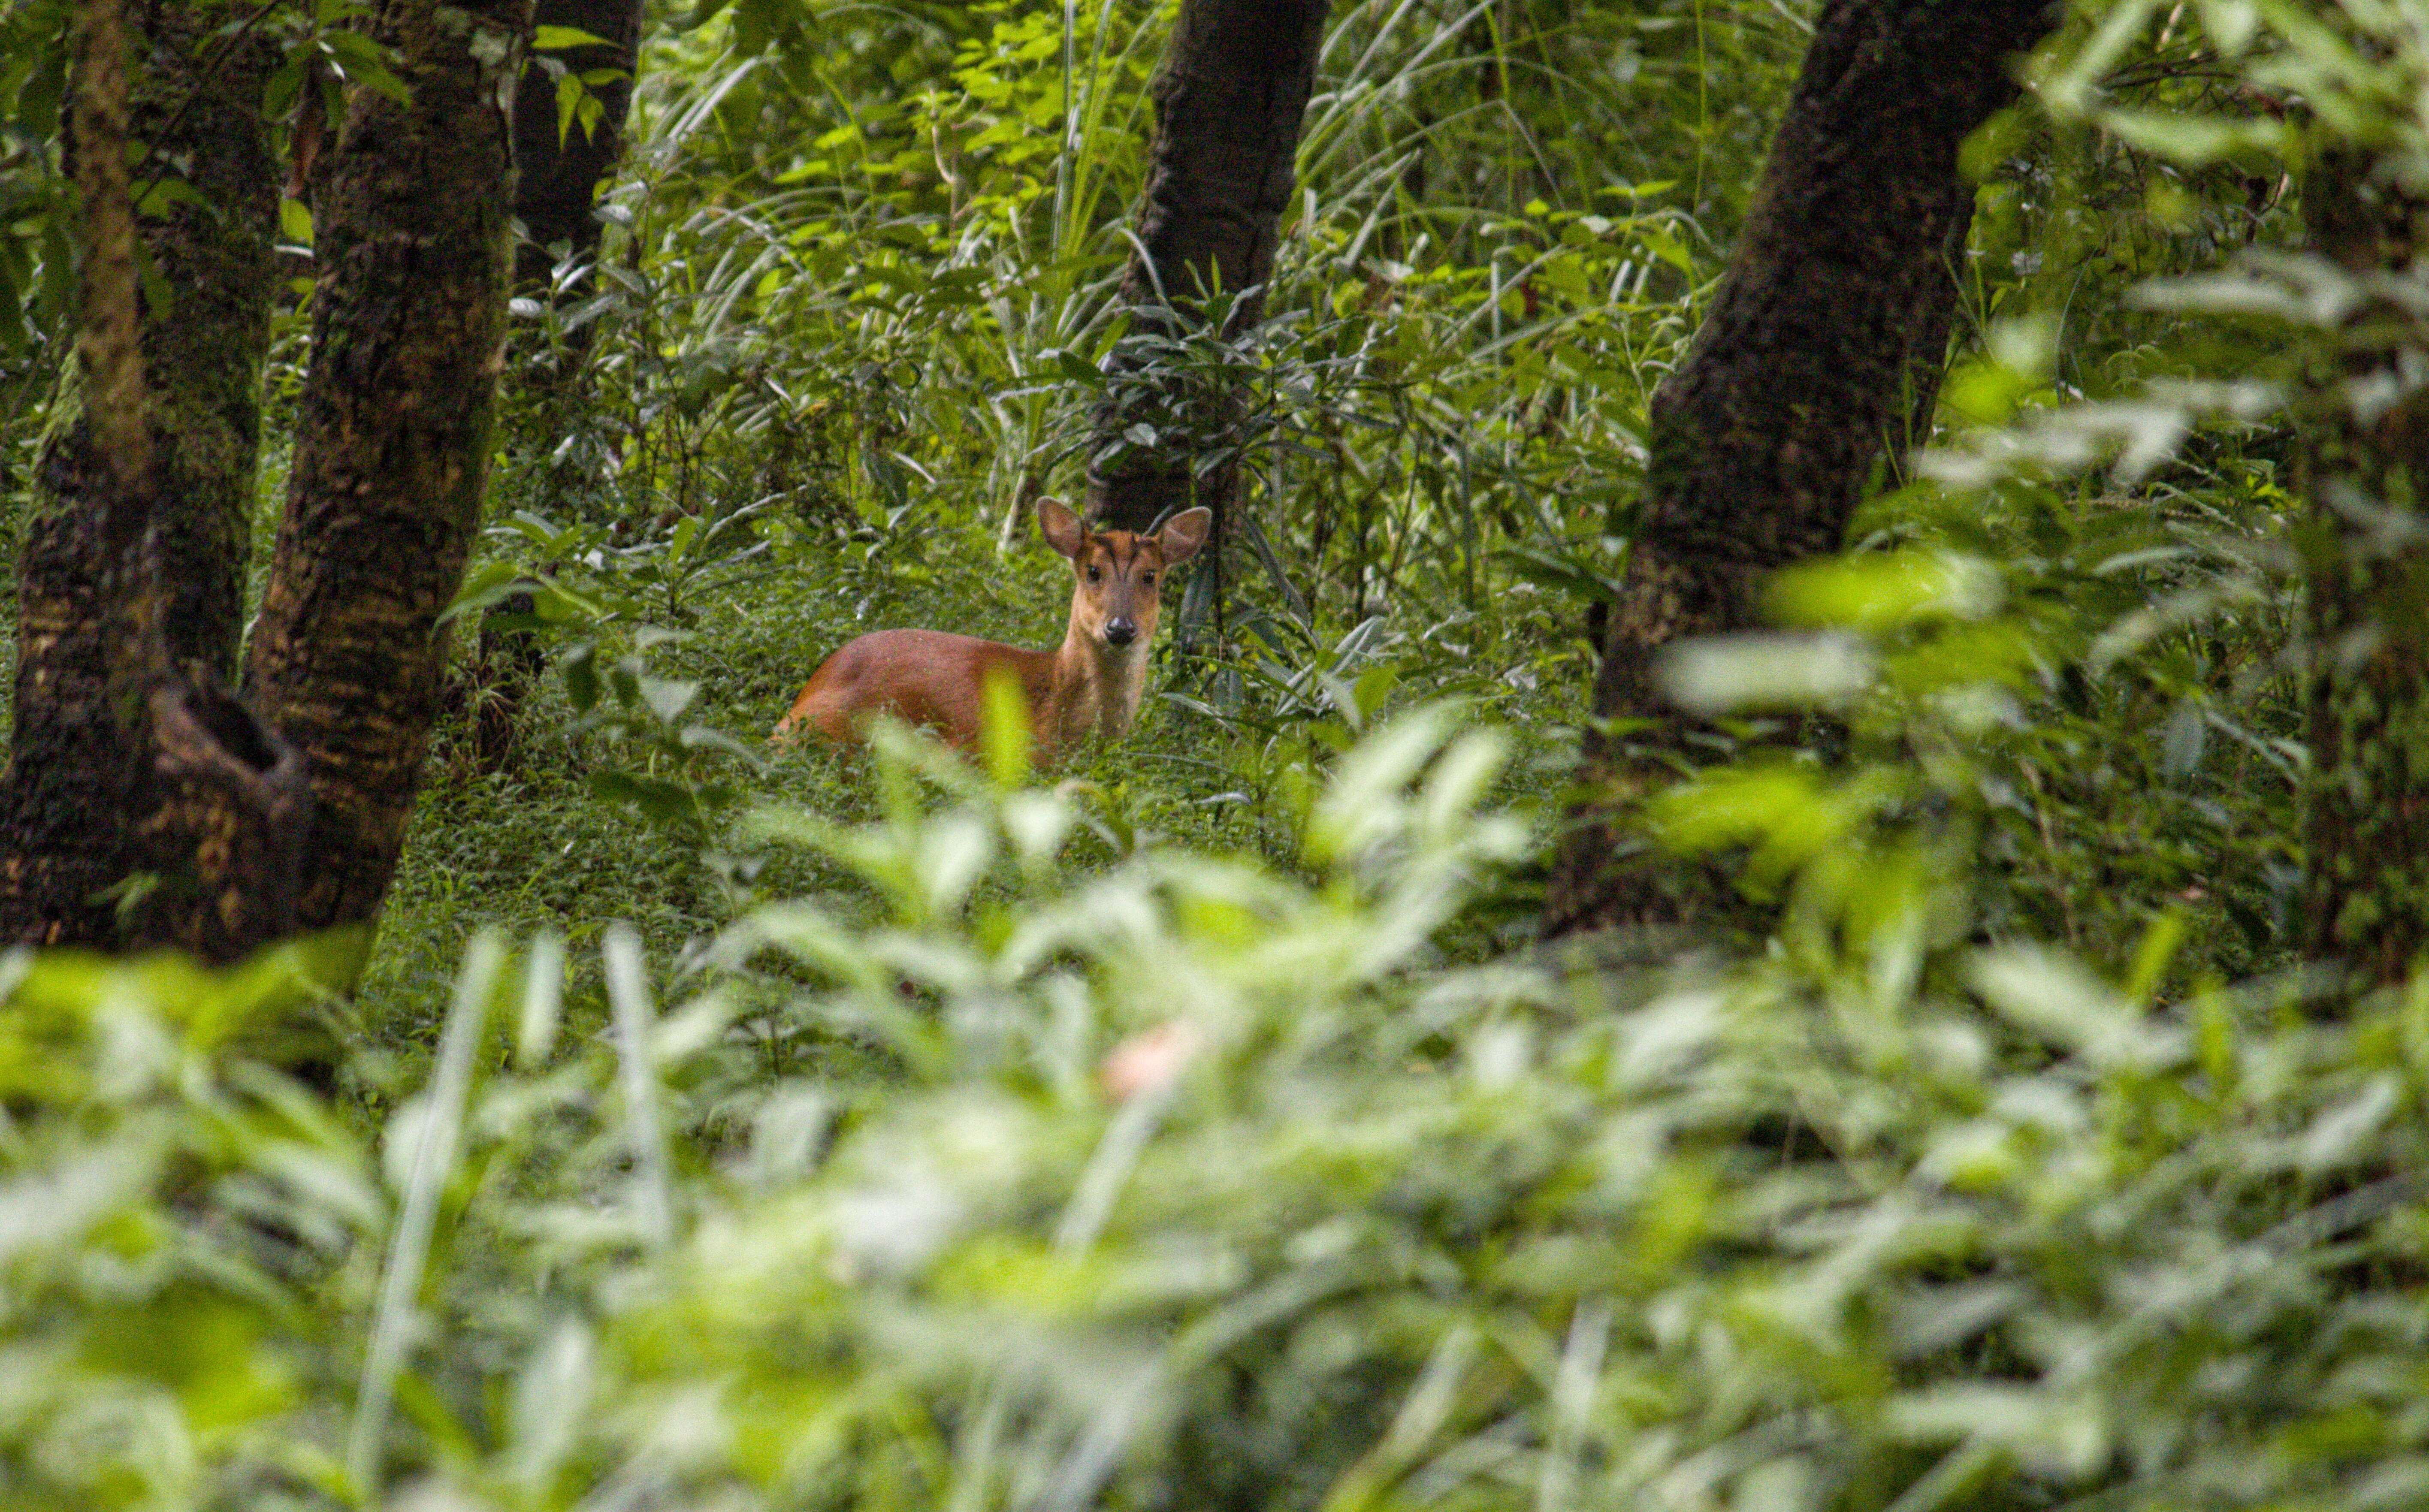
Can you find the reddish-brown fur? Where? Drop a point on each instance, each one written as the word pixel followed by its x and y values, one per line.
pixel 1090 687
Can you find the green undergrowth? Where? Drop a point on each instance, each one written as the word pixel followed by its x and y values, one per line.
pixel 531 842
pixel 1009 1178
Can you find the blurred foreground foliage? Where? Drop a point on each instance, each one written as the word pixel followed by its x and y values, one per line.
pixel 1189 1182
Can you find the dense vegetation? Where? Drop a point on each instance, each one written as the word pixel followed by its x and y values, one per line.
pixel 1204 1125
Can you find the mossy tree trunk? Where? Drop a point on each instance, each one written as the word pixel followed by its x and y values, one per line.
pixel 2365 466
pixel 1230 100
pixel 125 751
pixel 285 810
pixel 1829 328
pixel 392 444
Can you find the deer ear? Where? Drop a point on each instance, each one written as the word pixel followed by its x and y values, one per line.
pixel 1183 533
pixel 1061 528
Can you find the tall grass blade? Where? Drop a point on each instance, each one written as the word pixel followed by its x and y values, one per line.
pixel 543 999
pixel 434 1160
pixel 628 996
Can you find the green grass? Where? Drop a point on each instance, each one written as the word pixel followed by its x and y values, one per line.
pixel 531 844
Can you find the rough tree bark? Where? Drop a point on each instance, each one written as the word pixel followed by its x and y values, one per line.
pixel 1833 318
pixel 69 756
pixel 126 760
pixel 2365 465
pixel 1230 100
pixel 392 448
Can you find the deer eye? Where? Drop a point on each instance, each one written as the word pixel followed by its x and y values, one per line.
pixel 1147 581
pixel 1096 575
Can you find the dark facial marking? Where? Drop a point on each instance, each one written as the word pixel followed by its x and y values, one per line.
pixel 1121 553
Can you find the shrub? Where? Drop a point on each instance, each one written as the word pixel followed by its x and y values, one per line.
pixel 1189 1182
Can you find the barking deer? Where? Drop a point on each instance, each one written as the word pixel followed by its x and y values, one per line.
pixel 1090 687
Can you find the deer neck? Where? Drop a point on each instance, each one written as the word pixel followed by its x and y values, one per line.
pixel 1096 688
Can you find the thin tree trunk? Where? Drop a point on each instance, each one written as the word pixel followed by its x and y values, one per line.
pixel 1763 438
pixel 131 577
pixel 557 178
pixel 393 449
pixel 1230 101
pixel 2366 819
pixel 1927 353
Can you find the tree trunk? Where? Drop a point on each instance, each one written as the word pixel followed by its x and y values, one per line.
pixel 1230 100
pixel 392 448
pixel 145 535
pixel 1763 438
pixel 2366 819
pixel 558 178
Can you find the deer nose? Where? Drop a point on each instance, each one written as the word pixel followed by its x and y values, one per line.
pixel 1120 632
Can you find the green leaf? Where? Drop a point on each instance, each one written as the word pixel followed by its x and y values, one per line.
pixel 570 95
pixel 552 39
pixel 1880 591
pixel 157 197
pixel 668 698
pixel 2197 141
pixel 579 666
pixel 1004 729
pixel 490 584
pixel 1585 575
pixel 1722 674
pixel 657 798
